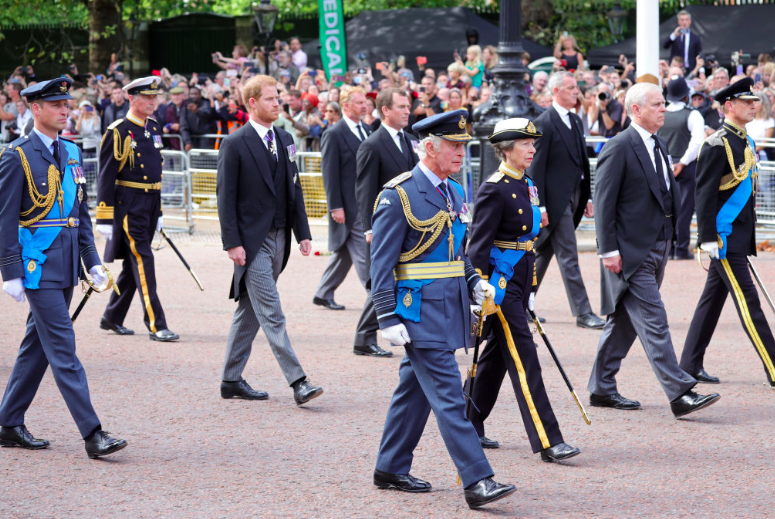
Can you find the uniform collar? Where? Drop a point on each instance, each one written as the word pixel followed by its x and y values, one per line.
pixel 510 172
pixel 675 106
pixel 131 118
pixel 433 177
pixel 45 139
pixel 737 130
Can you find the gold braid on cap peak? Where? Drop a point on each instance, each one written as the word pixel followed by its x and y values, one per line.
pixel 46 202
pixel 433 225
pixel 123 155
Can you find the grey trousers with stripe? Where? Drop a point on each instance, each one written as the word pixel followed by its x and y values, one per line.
pixel 260 308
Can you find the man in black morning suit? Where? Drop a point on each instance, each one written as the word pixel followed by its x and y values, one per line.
pixel 726 218
pixel 346 239
pixel 385 154
pixel 45 234
pixel 560 171
pixel 259 203
pixel 636 203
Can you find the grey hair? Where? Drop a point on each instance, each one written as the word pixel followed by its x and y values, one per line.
pixel 422 151
pixel 636 95
pixel 766 105
pixel 503 147
pixel 556 79
pixel 721 69
pixel 684 12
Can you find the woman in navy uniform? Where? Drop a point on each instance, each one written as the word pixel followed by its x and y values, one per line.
pixel 506 223
pixel 45 232
pixel 129 208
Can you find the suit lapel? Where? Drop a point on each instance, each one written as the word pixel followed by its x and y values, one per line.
pixel 282 155
pixel 350 138
pixel 252 140
pixel 566 134
pixel 45 150
pixel 645 161
pixel 390 145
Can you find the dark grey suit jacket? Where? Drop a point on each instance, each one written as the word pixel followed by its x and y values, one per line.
pixel 339 147
pixel 628 209
pixel 557 166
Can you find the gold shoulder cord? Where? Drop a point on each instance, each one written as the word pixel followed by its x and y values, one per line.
pixel 433 225
pixel 41 201
pixel 127 153
pixel 737 175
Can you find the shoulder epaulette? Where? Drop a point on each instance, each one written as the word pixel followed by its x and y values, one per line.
pixel 715 138
pixel 495 177
pixel 115 123
pixel 397 180
pixel 152 119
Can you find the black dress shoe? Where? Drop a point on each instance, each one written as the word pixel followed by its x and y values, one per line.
pixel 590 321
pixel 241 389
pixel 690 402
pixel 488 443
pixel 487 491
pixel 19 436
pixel 683 255
pixel 120 330
pixel 702 376
pixel 100 443
pixel 328 303
pixel 403 482
pixel 164 336
pixel 559 452
pixel 615 401
pixel 371 350
pixel 303 392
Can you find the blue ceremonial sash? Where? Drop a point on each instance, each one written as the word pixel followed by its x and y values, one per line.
pixel 732 207
pixel 34 244
pixel 504 261
pixel 439 254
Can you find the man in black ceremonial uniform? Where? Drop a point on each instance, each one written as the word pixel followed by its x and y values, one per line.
pixel 727 180
pixel 129 208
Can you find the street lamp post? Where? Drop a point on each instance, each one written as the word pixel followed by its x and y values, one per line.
pixel 508 97
pixel 617 17
pixel 266 16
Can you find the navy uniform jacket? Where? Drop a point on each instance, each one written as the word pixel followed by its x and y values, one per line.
pixel 712 166
pixel 445 315
pixel 503 212
pixel 119 160
pixel 62 268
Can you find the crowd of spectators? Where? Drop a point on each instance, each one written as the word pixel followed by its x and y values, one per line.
pixel 194 105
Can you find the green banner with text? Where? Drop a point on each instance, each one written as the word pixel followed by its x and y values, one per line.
pixel 333 52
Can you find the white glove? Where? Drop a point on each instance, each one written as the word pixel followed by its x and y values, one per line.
pixel 476 311
pixel 711 247
pixel 98 275
pixel 106 231
pixel 483 289
pixel 531 301
pixel 15 289
pixel 160 224
pixel 396 334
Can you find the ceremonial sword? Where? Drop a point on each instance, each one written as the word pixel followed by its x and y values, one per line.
pixel 761 285
pixel 92 289
pixel 185 263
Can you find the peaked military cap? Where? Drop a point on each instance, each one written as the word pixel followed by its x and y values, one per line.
pixel 739 90
pixel 145 85
pixel 513 129
pixel 450 126
pixel 51 90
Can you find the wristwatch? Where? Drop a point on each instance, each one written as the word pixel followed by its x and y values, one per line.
pixel 425 106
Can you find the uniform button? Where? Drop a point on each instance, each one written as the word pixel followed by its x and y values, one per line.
pixel 138 154
pixel 146 190
pixel 507 180
pixel 520 211
pixel 145 178
pixel 142 165
pixel 513 195
pixel 524 227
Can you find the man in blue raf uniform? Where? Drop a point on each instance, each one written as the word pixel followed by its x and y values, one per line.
pixel 129 208
pixel 421 281
pixel 727 180
pixel 45 231
pixel 506 223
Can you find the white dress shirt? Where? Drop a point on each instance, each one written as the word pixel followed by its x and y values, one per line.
pixel 394 135
pixel 47 141
pixel 262 131
pixel 564 114
pixel 353 125
pixel 686 47
pixel 696 125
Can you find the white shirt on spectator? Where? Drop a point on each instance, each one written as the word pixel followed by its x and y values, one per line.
pixel 757 129
pixel 686 46
pixel 696 125
pixel 299 58
pixel 22 120
pixel 90 132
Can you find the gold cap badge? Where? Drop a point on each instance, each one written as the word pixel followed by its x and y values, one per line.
pixel 63 87
pixel 531 127
pixel 462 123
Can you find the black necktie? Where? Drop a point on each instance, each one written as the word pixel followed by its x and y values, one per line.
pixel 405 149
pixel 361 135
pixel 658 162
pixel 55 145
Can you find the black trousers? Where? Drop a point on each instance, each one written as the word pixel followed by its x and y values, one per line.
pixel 524 368
pixel 687 181
pixel 729 276
pixel 137 273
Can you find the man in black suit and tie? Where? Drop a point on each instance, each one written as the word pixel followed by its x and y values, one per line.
pixel 683 42
pixel 560 170
pixel 385 154
pixel 636 201
pixel 259 202
pixel 346 239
